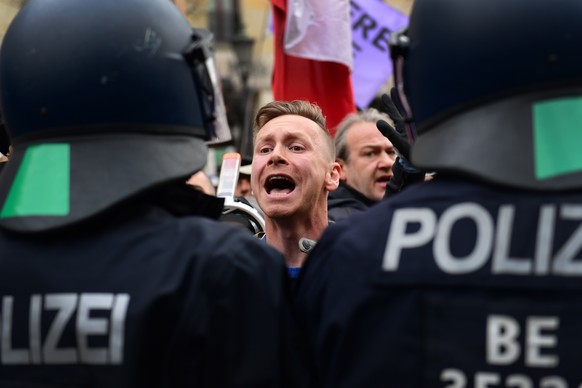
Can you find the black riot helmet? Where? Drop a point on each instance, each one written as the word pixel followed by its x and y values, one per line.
pixel 103 100
pixel 494 89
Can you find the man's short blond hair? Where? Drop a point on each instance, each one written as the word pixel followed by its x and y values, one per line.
pixel 302 108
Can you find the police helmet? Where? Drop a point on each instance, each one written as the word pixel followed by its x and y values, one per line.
pixel 493 89
pixel 103 100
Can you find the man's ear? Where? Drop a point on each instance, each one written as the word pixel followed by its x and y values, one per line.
pixel 333 176
pixel 342 164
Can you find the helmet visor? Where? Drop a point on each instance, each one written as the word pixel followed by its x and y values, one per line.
pixel 220 130
pixel 200 56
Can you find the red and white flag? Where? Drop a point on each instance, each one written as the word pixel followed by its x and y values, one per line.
pixel 313 55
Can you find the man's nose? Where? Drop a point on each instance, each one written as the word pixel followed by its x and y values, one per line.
pixel 386 161
pixel 278 155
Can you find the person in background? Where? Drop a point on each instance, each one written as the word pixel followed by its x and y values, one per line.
pixel 244 192
pixel 366 158
pixel 243 185
pixel 201 181
pixel 473 279
pixel 113 272
pixel 293 171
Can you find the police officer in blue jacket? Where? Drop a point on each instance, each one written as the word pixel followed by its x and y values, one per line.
pixel 473 279
pixel 112 272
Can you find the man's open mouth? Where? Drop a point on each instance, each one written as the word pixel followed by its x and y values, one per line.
pixel 279 184
pixel 383 179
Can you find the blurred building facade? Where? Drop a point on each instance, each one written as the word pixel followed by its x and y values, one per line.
pixel 8 9
pixel 244 52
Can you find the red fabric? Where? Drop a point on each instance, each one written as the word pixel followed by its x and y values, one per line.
pixel 328 84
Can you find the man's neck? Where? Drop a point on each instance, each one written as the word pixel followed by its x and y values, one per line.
pixel 358 195
pixel 284 235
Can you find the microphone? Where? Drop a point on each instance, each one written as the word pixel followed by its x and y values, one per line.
pixel 306 245
pixel 228 175
pixel 236 211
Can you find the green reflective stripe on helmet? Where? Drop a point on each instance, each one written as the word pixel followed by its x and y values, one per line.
pixel 557 126
pixel 41 185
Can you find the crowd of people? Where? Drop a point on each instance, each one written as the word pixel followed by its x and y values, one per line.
pixel 118 267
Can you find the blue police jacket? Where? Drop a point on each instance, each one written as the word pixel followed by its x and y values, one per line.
pixel 146 299
pixel 448 284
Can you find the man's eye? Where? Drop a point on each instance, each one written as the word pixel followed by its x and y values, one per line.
pixel 296 148
pixel 265 150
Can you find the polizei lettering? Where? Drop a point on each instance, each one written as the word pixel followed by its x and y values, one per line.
pixel 43 321
pixel 412 228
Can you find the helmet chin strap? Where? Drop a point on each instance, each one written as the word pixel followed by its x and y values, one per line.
pixel 409 122
pixel 306 245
